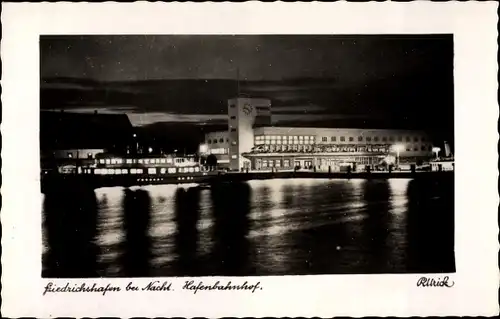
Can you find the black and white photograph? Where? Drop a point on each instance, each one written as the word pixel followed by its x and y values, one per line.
pixel 249 159
pixel 246 155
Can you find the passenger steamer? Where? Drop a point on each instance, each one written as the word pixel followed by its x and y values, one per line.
pixel 115 170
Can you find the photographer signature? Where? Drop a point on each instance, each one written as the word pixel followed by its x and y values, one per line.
pixel 431 282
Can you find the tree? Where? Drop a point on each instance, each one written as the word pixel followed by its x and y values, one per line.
pixel 211 162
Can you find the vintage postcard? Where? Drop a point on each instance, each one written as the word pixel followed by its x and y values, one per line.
pixel 249 159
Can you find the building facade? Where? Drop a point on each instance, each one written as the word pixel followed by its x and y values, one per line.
pixel 217 143
pixel 331 148
pixel 252 143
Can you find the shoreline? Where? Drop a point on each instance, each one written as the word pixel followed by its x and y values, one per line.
pixel 96 181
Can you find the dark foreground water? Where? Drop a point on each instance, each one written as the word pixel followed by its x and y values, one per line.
pixel 265 227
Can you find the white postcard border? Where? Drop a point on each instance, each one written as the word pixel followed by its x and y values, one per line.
pixel 476 113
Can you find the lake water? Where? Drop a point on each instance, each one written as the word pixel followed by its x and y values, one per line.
pixel 264 227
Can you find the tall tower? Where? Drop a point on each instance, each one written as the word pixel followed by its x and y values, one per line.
pixel 245 114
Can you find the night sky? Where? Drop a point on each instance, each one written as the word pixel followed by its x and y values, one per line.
pixel 160 81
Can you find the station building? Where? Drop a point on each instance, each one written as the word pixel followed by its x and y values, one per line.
pixel 252 143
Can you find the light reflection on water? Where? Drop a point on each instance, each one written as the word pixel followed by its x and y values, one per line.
pixel 269 227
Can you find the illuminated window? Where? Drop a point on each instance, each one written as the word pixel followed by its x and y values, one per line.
pixel 191 169
pixel 271 163
pixel 273 141
pixel 151 170
pixel 140 171
pixel 301 137
pixel 108 161
pixel 163 170
pixel 162 161
pixel 102 161
pixel 128 161
pixel 196 169
pixel 172 170
pixel 124 171
pixel 301 142
pixel 286 163
pixel 277 163
pixel 333 138
pixel 264 163
pixel 118 171
pixel 234 156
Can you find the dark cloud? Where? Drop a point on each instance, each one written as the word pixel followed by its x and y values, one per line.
pixel 311 78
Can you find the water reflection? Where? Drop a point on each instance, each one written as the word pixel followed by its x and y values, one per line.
pixel 430 226
pixel 267 227
pixel 231 206
pixel 137 244
pixel 186 239
pixel 70 226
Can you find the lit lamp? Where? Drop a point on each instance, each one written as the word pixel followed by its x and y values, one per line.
pixel 203 148
pixel 398 148
pixel 150 150
pixel 436 150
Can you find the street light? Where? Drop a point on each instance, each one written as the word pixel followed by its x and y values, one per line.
pixel 398 148
pixel 203 148
pixel 436 150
